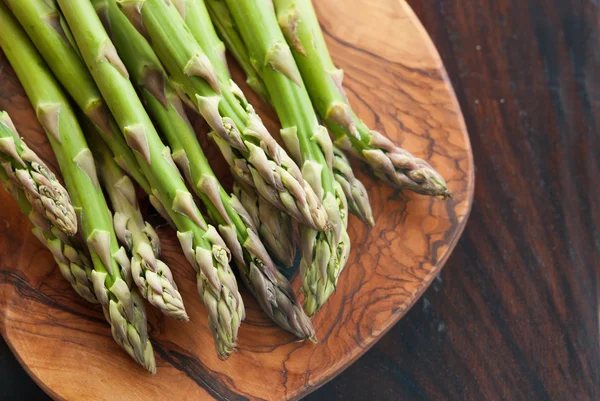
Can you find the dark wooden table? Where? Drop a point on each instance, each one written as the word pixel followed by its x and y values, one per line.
pixel 515 313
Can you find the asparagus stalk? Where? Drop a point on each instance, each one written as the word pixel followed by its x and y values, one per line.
pixel 72 261
pixel 273 291
pixel 274 227
pixel 225 26
pixel 123 309
pixel 323 80
pixel 201 243
pixel 324 253
pixel 46 27
pixel 43 190
pixel 151 275
pixel 252 153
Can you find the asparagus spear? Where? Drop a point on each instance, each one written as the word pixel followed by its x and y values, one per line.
pixel 274 227
pixel 324 253
pixel 252 153
pixel 323 80
pixel 354 190
pixel 272 289
pixel 46 27
pixel 201 243
pixel 151 275
pixel 43 190
pixel 74 265
pixel 123 309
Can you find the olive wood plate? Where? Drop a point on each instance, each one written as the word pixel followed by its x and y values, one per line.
pixel 398 85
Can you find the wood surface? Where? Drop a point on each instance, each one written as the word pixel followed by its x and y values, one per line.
pixel 514 316
pixel 399 87
pixel 515 313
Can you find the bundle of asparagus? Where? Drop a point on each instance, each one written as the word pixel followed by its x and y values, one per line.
pixel 252 153
pixel 164 54
pixel 324 253
pixel 202 245
pixel 48 29
pixel 124 310
pixel 271 288
pixel 197 18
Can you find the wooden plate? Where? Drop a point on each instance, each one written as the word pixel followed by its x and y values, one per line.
pixel 397 83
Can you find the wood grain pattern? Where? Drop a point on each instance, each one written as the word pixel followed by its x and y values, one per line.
pixel 398 88
pixel 515 315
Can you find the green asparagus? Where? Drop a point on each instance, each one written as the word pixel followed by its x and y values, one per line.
pixel 324 253
pixel 123 309
pixel 273 224
pixel 323 80
pixel 252 153
pixel 272 290
pixel 223 22
pixel 355 191
pixel 201 243
pixel 151 275
pixel 274 227
pixel 43 190
pixel 72 261
pixel 49 32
